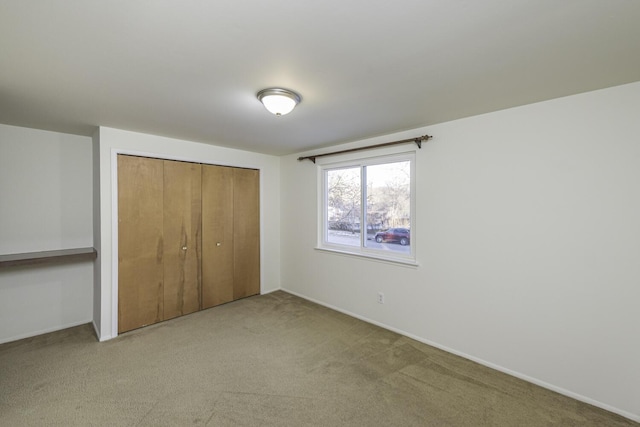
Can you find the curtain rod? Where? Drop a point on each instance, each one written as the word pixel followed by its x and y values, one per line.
pixel 418 142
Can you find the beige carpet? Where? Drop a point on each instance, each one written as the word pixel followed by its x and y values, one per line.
pixel 271 360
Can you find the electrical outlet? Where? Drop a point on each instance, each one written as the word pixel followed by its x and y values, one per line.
pixel 380 298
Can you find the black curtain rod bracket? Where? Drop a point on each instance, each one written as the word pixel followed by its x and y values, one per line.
pixel 417 141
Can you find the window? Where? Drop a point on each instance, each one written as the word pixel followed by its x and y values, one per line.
pixel 367 207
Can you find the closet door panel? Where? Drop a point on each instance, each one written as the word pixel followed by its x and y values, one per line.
pixel 246 232
pixel 182 245
pixel 140 245
pixel 217 235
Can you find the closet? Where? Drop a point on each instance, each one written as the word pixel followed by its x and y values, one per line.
pixel 188 238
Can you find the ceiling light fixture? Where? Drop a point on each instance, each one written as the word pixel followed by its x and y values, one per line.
pixel 278 101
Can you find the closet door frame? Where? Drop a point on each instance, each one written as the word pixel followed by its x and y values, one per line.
pixel 114 214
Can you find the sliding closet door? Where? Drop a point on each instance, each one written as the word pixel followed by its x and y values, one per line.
pixel 182 244
pixel 189 238
pixel 140 247
pixel 217 235
pixel 246 232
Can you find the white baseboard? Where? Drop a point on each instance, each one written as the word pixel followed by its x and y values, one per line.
pixel 43 331
pixel 100 337
pixel 576 396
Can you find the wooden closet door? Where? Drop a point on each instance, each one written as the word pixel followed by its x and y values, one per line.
pixel 246 232
pixel 217 235
pixel 140 248
pixel 182 244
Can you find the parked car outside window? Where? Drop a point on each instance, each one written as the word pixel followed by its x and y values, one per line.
pixel 397 235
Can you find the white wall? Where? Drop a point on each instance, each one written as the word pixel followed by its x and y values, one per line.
pixel 528 240
pixel 45 204
pixel 111 141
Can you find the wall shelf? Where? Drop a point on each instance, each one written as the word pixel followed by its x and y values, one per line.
pixel 48 257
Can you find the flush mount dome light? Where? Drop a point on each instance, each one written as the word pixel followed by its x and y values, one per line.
pixel 278 101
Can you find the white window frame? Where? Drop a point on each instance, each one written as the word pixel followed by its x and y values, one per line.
pixel 360 160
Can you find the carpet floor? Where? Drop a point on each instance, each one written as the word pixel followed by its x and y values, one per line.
pixel 270 360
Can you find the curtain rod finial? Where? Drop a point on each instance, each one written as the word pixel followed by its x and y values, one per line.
pixel 419 140
pixel 312 158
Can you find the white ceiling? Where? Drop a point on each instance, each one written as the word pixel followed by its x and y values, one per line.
pixel 190 69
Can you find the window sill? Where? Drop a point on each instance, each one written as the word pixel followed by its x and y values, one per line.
pixel 372 257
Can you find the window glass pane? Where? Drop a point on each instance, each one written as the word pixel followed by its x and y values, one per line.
pixel 343 206
pixel 388 211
